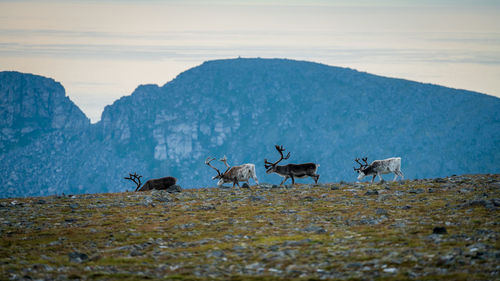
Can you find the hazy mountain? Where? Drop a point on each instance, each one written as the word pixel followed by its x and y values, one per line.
pixel 241 108
pixel 32 105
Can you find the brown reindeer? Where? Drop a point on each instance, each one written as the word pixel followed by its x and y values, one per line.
pixel 233 174
pixel 158 184
pixel 291 170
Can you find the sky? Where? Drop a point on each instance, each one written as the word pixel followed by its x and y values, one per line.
pixel 102 50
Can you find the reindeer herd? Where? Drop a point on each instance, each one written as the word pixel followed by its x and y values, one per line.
pixel 245 172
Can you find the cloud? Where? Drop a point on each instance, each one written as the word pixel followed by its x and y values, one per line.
pixel 153 49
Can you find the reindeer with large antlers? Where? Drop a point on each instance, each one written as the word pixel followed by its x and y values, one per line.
pixel 233 174
pixel 379 167
pixel 291 170
pixel 159 184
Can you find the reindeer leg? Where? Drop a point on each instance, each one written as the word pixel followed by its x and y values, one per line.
pixel 395 176
pixel 316 178
pixel 293 180
pixel 373 178
pixel 284 180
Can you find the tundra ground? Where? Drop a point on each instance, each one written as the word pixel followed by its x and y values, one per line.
pixel 446 229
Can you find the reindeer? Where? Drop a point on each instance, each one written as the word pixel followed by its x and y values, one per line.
pixel 159 184
pixel 291 170
pixel 233 174
pixel 379 167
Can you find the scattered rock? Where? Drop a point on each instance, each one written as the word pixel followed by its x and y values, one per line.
pixel 266 185
pixel 371 192
pixel 380 211
pixel 293 243
pixel 161 195
pixel 439 230
pixel 148 200
pixel 354 265
pixel 174 188
pixel 315 229
pixel 245 185
pixel 439 180
pixel 74 206
pixel 256 198
pixel 288 212
pixel 391 270
pixel 206 207
pixel 476 250
pixel 135 253
pixel 496 202
pixel 77 257
pixel 215 254
pixel 488 204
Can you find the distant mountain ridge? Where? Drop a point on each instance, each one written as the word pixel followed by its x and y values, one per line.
pixel 31 105
pixel 242 108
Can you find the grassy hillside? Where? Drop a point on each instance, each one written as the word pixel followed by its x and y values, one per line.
pixel 419 229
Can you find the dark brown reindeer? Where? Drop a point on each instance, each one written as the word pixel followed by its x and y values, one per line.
pixel 233 174
pixel 291 170
pixel 158 184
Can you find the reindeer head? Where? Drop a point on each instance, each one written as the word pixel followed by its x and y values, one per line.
pixel 219 176
pixel 271 167
pixel 362 167
pixel 135 178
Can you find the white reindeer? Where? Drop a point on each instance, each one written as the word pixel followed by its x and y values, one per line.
pixel 233 174
pixel 379 167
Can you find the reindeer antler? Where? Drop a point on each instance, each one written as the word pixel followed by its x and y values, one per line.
pixel 365 160
pixel 280 149
pixel 224 160
pixel 208 160
pixel 133 177
pixel 361 165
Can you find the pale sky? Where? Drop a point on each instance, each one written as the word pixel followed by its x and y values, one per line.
pixel 102 50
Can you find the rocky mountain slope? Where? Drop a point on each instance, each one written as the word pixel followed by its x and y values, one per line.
pixel 436 229
pixel 31 106
pixel 242 108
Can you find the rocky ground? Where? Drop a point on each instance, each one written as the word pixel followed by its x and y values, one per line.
pixel 445 228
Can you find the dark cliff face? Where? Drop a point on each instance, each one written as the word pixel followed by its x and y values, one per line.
pixel 31 105
pixel 243 107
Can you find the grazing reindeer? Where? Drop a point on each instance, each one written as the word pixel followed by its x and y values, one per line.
pixel 291 170
pixel 233 174
pixel 159 184
pixel 379 167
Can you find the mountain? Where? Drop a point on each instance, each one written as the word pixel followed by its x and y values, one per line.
pixel 32 105
pixel 242 108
